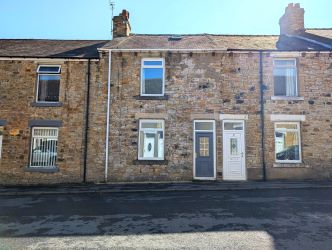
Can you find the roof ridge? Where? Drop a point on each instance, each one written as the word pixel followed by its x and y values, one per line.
pixel 46 39
pixel 318 28
pixel 203 34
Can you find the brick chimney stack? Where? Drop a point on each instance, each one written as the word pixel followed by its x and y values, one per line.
pixel 121 25
pixel 292 22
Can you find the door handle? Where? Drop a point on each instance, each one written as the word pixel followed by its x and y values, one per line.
pixel 242 154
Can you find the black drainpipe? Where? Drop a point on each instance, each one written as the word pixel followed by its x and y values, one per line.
pixel 262 87
pixel 86 123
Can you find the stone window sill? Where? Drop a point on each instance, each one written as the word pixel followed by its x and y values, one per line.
pixel 287 98
pixel 150 162
pixel 42 169
pixel 165 97
pixel 46 104
pixel 289 165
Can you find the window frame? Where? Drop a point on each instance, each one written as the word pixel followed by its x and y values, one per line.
pixel 298 130
pixel 152 130
pixel 162 60
pixel 47 74
pixel 32 142
pixel 296 75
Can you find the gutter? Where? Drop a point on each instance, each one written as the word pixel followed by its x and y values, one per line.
pixel 261 87
pixel 213 50
pixel 108 113
pixel 86 123
pixel 48 57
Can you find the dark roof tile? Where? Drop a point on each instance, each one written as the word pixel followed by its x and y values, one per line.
pixel 50 48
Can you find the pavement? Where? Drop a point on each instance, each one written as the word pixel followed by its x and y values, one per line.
pixel 292 217
pixel 160 187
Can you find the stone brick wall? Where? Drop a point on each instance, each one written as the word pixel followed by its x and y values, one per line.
pixel 18 87
pixel 97 128
pixel 198 86
pixel 201 85
pixel 204 85
pixel 315 87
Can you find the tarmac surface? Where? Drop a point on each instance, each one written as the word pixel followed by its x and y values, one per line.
pixel 256 218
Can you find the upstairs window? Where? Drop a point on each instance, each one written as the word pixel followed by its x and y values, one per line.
pixel 152 77
pixel 48 86
pixel 285 77
pixel 151 140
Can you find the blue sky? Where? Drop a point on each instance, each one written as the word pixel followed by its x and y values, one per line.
pixel 91 19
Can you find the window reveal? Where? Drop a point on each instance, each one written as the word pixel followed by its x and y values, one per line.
pixel 287 142
pixel 151 140
pixel 285 77
pixel 48 87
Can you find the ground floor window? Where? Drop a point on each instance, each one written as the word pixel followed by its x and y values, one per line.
pixel 1 136
pixel 287 142
pixel 151 140
pixel 44 147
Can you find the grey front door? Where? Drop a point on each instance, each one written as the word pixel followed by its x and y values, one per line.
pixel 204 155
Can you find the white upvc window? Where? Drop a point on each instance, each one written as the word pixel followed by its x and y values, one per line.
pixel 287 142
pixel 44 143
pixel 285 77
pixel 1 136
pixel 151 140
pixel 48 83
pixel 153 77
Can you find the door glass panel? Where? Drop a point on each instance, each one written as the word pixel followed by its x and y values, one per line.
pixel 204 146
pixel 233 126
pixel 234 146
pixel 203 125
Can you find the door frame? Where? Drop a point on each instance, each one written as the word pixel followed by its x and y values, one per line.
pixel 243 145
pixel 214 150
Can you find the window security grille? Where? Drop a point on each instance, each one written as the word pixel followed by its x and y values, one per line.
pixel 44 147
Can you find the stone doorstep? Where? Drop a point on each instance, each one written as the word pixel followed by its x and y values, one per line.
pixel 160 187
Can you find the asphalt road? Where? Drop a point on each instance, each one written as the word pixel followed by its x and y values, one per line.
pixel 253 219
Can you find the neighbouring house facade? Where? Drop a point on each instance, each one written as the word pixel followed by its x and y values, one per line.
pixel 168 107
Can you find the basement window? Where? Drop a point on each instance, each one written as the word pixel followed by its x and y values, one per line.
pixel 152 77
pixel 48 83
pixel 287 142
pixel 285 77
pixel 44 145
pixel 151 140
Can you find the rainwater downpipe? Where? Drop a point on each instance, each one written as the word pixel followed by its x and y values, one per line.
pixel 86 122
pixel 108 113
pixel 262 88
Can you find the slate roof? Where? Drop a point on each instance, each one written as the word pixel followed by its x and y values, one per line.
pixel 327 33
pixel 50 48
pixel 192 42
pixel 311 39
pixel 218 42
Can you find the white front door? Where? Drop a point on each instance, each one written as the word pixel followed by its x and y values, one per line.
pixel 234 151
pixel 149 146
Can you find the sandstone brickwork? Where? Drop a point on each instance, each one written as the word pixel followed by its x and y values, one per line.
pixel 18 91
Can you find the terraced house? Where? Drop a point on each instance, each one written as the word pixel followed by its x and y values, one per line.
pixel 168 107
